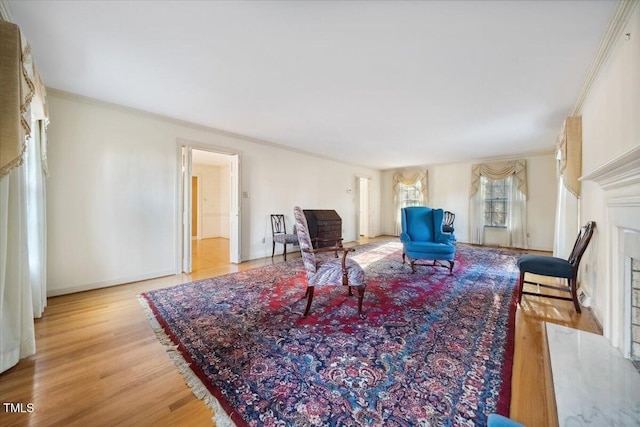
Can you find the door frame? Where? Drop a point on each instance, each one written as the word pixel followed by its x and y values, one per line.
pixel 183 199
pixel 358 196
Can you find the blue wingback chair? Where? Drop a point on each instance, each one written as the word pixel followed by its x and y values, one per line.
pixel 422 237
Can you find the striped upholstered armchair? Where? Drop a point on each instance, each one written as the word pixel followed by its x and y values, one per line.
pixel 331 272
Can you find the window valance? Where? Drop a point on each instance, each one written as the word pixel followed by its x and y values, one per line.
pixel 500 170
pixel 569 149
pixel 21 99
pixel 411 177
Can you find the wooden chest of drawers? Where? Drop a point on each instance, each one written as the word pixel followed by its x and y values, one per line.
pixel 324 224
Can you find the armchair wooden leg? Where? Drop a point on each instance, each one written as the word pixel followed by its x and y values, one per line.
pixel 273 249
pixel 413 266
pixel 350 291
pixel 451 267
pixel 285 252
pixel 360 297
pixel 309 295
pixel 520 286
pixel 403 256
pixel 574 294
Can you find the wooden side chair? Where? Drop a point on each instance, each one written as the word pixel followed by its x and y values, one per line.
pixel 279 234
pixel 329 272
pixel 556 267
pixel 447 222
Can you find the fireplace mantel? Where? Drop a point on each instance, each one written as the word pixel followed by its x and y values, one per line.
pixel 622 171
pixel 620 181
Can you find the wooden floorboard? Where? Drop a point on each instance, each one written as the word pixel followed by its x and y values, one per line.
pixel 98 362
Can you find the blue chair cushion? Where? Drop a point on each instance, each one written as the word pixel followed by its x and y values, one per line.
pixel 495 420
pixel 430 247
pixel 545 266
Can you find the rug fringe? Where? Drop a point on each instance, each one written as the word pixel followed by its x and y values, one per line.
pixel 220 418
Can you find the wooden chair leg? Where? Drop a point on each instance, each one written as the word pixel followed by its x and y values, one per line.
pixel 309 299
pixel 520 286
pixel 403 256
pixel 350 292
pixel 413 265
pixel 574 294
pixel 360 297
pixel 273 249
pixel 451 267
pixel 285 252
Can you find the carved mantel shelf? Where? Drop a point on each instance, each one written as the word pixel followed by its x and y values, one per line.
pixel 622 171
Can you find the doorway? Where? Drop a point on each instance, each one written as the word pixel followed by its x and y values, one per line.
pixel 362 208
pixel 209 208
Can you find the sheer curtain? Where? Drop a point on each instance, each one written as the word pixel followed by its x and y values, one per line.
pixel 22 197
pixel 517 218
pixel 408 177
pixel 515 172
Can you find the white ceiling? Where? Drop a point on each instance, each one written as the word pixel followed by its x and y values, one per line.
pixel 376 83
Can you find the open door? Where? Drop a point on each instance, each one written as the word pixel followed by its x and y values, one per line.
pixel 186 208
pixel 234 214
pixel 184 256
pixel 362 207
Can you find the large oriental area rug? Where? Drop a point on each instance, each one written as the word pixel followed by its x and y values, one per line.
pixel 433 349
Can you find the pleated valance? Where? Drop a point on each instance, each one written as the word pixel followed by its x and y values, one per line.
pixel 569 148
pixel 22 97
pixel 500 170
pixel 411 177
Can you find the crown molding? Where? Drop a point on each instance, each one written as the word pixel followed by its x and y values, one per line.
pixel 617 23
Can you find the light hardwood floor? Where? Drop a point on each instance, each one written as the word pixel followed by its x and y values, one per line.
pixel 98 362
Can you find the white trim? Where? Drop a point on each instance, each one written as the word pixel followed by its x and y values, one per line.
pixel 619 19
pixel 622 171
pixel 109 283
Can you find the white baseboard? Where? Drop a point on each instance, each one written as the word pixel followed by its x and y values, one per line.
pixel 107 283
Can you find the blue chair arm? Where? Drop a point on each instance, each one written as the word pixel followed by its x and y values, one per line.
pixel 404 238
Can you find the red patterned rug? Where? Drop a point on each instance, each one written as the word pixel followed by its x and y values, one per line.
pixel 434 349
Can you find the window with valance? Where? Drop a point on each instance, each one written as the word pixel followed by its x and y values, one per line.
pixel 498 198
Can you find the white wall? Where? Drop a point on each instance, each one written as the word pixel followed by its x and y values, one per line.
pixel 214 200
pixel 610 127
pixel 112 193
pixel 449 189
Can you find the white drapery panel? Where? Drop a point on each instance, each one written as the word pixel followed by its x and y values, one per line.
pixel 17 337
pixel 567 226
pixel 569 169
pixel 22 198
pixel 36 216
pixel 476 216
pixel 515 171
pixel 517 218
pixel 408 177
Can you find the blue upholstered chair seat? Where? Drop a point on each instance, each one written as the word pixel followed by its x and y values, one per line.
pixel 546 266
pixel 444 249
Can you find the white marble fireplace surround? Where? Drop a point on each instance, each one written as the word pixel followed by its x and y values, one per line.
pixel 620 182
